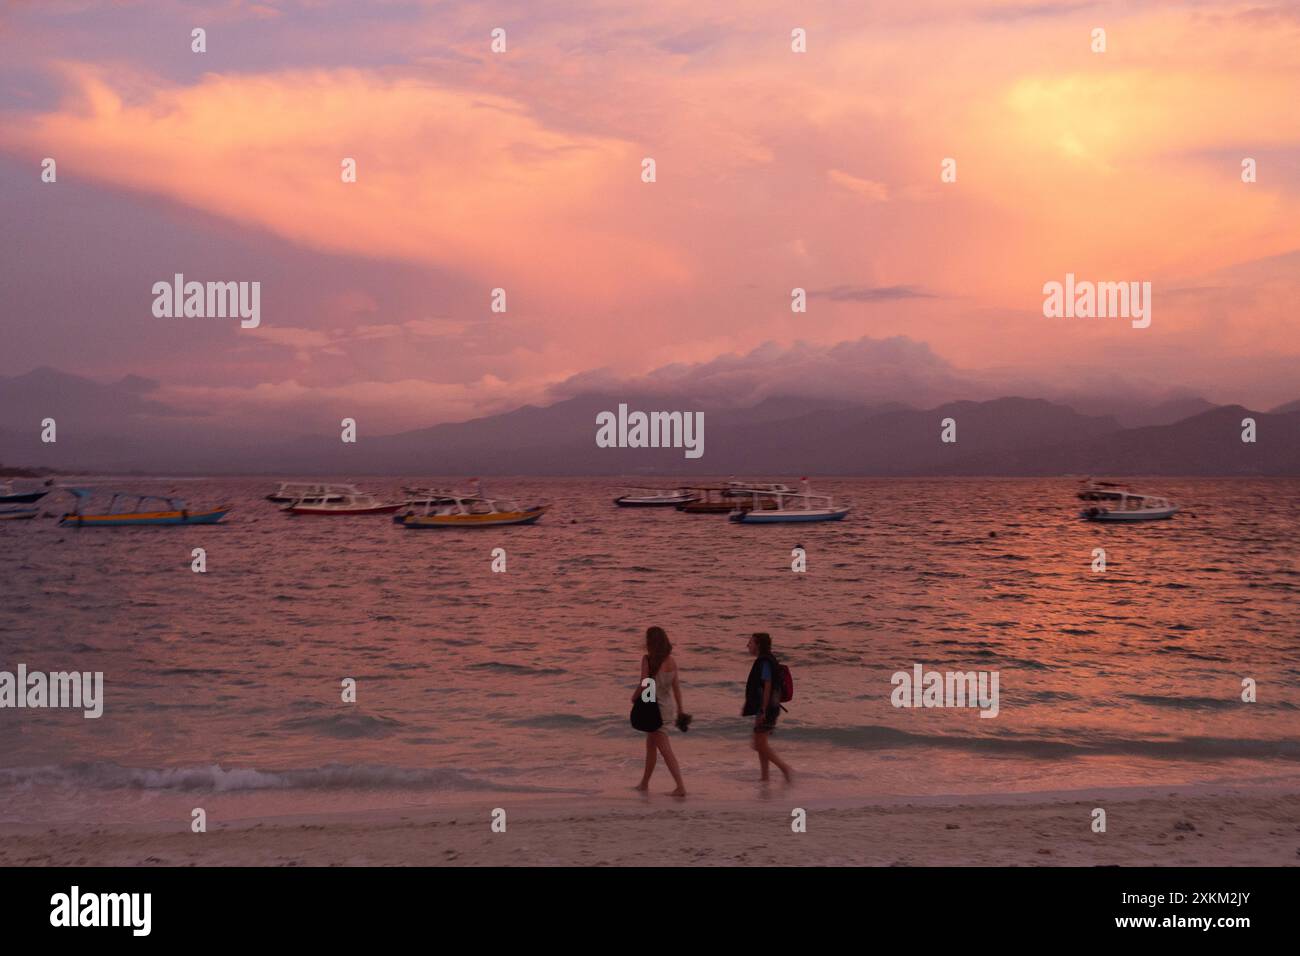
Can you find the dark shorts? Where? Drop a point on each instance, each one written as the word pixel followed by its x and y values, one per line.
pixel 767 726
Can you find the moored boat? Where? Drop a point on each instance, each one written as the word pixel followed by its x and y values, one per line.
pixel 18 514
pixel 721 500
pixel 790 507
pixel 10 497
pixel 655 498
pixel 423 500
pixel 474 511
pixel 133 511
pixel 340 504
pixel 291 491
pixel 1130 506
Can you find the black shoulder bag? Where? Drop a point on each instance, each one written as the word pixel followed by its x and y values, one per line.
pixel 645 715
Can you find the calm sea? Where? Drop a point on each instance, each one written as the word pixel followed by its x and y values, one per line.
pixel 222 689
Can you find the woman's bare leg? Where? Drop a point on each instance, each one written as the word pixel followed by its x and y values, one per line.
pixel 650 759
pixel 759 745
pixel 766 753
pixel 666 748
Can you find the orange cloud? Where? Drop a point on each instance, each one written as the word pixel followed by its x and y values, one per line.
pixel 775 170
pixel 468 181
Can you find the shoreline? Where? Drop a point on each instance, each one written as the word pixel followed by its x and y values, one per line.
pixel 1190 825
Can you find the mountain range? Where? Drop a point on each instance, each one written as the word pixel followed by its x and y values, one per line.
pixel 121 427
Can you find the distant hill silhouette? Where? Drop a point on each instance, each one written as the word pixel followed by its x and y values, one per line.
pixel 1205 444
pixel 119 427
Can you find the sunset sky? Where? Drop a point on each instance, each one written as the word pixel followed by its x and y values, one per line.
pixel 522 170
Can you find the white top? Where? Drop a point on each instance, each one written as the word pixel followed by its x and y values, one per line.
pixel 664 693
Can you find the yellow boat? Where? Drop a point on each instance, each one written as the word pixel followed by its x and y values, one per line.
pixel 471 511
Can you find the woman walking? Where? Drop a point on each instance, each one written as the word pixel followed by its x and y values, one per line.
pixel 763 702
pixel 659 665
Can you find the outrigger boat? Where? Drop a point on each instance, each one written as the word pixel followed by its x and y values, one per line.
pixel 18 514
pixel 720 499
pixel 177 513
pixel 1129 506
pixel 655 498
pixel 291 491
pixel 473 511
pixel 336 503
pixel 424 500
pixel 10 497
pixel 789 507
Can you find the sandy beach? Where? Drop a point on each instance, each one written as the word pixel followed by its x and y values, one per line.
pixel 1155 827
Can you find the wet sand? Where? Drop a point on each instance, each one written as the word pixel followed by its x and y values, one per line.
pixel 1165 827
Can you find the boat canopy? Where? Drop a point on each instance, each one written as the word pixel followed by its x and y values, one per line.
pixel 471 505
pixel 808 498
pixel 316 486
pixel 85 494
pixel 1156 500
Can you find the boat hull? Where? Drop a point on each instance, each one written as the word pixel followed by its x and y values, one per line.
pixel 629 502
pixel 23 498
pixel 710 507
pixel 1163 514
pixel 797 516
pixel 313 511
pixel 18 514
pixel 422 522
pixel 721 507
pixel 144 518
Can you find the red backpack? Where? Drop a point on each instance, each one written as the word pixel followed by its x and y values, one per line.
pixel 787 682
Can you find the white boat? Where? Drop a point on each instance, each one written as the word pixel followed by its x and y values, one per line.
pixel 1129 506
pixel 290 491
pixel 655 498
pixel 473 511
pixel 802 506
pixel 335 503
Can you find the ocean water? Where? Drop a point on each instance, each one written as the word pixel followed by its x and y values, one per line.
pixel 222 689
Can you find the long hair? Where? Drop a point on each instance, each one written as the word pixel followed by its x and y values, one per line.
pixel 657 648
pixel 763 641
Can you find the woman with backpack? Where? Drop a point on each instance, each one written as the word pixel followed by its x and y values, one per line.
pixel 763 701
pixel 653 717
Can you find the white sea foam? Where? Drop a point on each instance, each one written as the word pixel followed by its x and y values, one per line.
pixel 220 779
